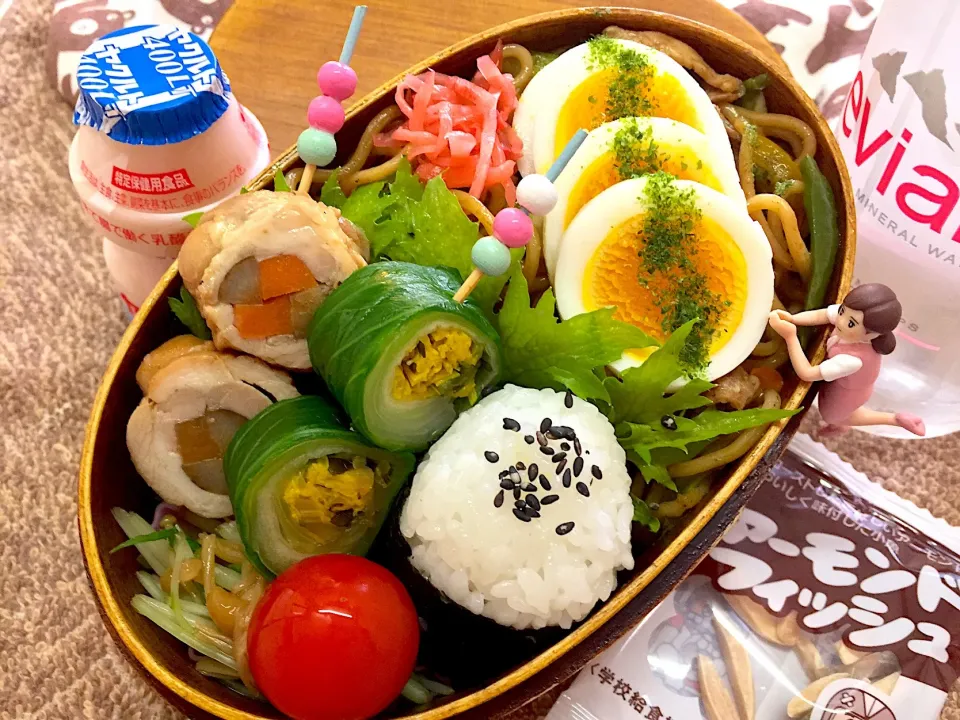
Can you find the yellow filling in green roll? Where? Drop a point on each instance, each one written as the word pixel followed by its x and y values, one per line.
pixel 330 493
pixel 443 362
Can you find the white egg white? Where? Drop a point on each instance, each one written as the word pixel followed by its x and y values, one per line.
pixel 540 104
pixel 626 200
pixel 664 132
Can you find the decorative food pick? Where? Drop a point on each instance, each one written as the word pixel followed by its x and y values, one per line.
pixel 863 333
pixel 512 227
pixel 337 81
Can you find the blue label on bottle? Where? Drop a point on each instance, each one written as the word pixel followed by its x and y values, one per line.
pixel 150 85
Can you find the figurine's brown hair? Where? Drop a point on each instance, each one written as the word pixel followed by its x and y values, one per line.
pixel 881 313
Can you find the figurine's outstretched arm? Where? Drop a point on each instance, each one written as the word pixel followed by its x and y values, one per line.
pixel 786 329
pixel 811 317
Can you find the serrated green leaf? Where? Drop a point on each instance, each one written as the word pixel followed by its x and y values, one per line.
pixel 541 351
pixel 643 515
pixel 657 473
pixel 188 313
pixel 641 396
pixel 193 218
pixel 280 182
pixel 332 194
pixel 640 440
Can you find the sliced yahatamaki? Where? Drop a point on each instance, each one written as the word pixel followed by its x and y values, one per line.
pixel 195 399
pixel 401 356
pixel 302 484
pixel 248 259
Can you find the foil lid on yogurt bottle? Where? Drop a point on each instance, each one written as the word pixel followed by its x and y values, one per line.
pixel 150 85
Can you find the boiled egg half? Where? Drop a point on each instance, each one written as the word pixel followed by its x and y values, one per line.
pixel 632 147
pixel 718 257
pixel 601 80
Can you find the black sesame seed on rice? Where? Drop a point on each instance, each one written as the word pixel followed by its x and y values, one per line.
pixel 533 471
pixel 560 466
pixel 507 484
pixel 516 492
pixel 596 472
pixel 547 450
pixel 577 467
pixel 533 502
pixel 568 399
pixel 491 456
pixel 498 500
pixel 528 439
pixel 545 424
pixel 563 432
pixel 511 424
pixel 515 474
pixel 530 487
pixel 520 515
pixel 564 446
pixel 577 447
pixel 549 499
pixel 564 528
pixel 566 478
pixel 531 513
pixel 520 505
pixel 541 439
pixel 559 457
pixel 520 465
pixel 583 489
pixel 544 483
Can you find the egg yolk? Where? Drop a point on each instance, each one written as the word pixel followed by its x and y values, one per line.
pixel 603 173
pixel 588 106
pixel 330 494
pixel 442 363
pixel 611 279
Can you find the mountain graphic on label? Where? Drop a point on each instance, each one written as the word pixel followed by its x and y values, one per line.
pixel 928 85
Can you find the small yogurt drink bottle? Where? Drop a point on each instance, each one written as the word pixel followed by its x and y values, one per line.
pixel 134 275
pixel 160 136
pixel 900 136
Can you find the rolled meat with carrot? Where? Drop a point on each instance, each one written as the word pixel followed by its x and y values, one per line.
pixel 260 264
pixel 194 401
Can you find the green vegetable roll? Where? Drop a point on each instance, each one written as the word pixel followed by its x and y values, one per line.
pixel 302 485
pixel 401 356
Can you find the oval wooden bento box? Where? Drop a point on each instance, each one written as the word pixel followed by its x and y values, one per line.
pixel 108 479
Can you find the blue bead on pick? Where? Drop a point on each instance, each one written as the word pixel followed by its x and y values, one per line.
pixel 316 147
pixel 490 256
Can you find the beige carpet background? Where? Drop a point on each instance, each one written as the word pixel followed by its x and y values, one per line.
pixel 59 322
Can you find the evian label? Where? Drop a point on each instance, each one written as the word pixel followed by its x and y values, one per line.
pixel 900 134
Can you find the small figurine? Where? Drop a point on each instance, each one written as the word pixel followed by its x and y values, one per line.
pixel 864 325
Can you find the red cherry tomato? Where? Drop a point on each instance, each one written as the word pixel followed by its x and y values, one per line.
pixel 335 637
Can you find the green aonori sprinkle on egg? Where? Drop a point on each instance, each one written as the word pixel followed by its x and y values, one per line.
pixel 670 243
pixel 629 84
pixel 635 152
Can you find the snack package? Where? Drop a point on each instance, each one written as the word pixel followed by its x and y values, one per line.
pixel 830 599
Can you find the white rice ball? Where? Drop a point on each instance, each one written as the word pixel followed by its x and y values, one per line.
pixel 533 572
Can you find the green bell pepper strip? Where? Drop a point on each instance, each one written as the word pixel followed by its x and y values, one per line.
pixel 821 210
pixel 360 334
pixel 270 449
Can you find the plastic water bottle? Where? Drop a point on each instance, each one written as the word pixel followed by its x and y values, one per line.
pixel 900 135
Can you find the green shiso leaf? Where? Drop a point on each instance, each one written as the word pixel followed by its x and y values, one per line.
pixel 541 352
pixel 641 395
pixel 640 440
pixel 187 313
pixel 332 194
pixel 643 515
pixel 149 537
pixel 424 225
pixel 193 218
pixel 280 182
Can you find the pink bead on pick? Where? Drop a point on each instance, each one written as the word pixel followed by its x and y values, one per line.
pixel 325 113
pixel 337 80
pixel 513 227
